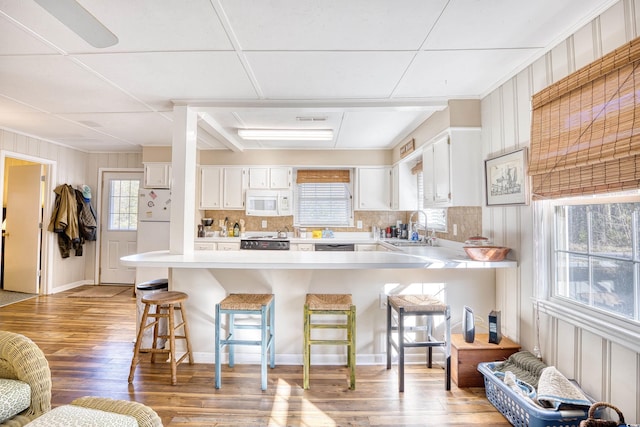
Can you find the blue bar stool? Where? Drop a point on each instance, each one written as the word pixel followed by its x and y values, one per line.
pixel 416 306
pixel 246 304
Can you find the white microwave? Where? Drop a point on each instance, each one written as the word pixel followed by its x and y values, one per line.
pixel 269 202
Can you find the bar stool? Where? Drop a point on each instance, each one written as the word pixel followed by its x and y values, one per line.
pixel 166 304
pixel 330 304
pixel 246 304
pixel 417 305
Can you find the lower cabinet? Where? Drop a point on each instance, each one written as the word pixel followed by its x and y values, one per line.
pixel 228 246
pixel 466 356
pixel 204 246
pixel 304 247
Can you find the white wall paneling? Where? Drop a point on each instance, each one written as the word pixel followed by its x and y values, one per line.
pixel 606 370
pixel 560 61
pixel 613 28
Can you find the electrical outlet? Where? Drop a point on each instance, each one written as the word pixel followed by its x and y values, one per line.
pixel 359 224
pixel 455 229
pixel 383 301
pixel 264 223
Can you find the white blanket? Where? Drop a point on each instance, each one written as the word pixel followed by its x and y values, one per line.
pixel 557 392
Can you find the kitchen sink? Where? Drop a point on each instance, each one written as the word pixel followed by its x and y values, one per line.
pixel 401 243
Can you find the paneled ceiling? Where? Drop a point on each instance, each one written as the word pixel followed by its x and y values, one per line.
pixel 370 70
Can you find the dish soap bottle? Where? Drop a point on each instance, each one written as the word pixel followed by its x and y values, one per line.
pixel 236 230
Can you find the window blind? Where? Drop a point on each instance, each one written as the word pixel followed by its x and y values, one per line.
pixel 304 176
pixel 323 204
pixel 585 133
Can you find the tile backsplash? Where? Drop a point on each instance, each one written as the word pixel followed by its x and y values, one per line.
pixel 468 220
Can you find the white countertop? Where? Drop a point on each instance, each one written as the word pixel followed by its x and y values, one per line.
pixel 418 257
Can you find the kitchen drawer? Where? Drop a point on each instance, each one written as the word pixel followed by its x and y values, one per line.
pixel 466 356
pixel 204 246
pixel 229 246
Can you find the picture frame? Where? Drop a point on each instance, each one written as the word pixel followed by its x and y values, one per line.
pixel 506 180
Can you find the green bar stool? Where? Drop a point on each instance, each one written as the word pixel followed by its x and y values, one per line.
pixel 330 304
pixel 417 306
pixel 246 304
pixel 166 304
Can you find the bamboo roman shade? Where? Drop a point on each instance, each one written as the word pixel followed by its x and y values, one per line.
pixel 309 176
pixel 585 131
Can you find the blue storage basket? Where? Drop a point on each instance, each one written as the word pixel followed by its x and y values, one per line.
pixel 521 411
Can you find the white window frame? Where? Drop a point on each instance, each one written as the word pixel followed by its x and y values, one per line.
pixel 114 210
pixel 625 332
pixel 349 213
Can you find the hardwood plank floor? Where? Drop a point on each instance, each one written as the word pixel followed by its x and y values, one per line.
pixel 89 342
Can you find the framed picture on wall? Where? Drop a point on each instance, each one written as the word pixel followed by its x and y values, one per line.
pixel 506 179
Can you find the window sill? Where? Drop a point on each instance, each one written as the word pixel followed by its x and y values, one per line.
pixel 610 328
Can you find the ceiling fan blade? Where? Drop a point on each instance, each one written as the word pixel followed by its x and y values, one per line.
pixel 80 21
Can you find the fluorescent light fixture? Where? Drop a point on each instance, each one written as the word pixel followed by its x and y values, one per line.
pixel 286 134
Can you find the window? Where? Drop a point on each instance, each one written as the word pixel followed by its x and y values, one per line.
pixel 436 217
pixel 324 204
pixel 123 204
pixel 596 254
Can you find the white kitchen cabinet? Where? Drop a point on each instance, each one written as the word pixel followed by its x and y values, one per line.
pixel 210 187
pixel 404 187
pixel 228 246
pixel 233 187
pixel 222 187
pixel 272 178
pixel 374 189
pixel 452 169
pixel 157 175
pixel 280 177
pixel 204 246
pixel 303 247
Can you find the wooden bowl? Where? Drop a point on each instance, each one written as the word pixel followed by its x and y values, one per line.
pixel 486 253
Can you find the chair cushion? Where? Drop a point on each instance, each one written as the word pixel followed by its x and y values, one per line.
pixel 77 416
pixel 15 397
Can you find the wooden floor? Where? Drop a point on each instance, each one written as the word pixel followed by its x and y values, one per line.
pixel 89 342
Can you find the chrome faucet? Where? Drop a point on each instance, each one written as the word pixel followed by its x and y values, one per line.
pixel 416 226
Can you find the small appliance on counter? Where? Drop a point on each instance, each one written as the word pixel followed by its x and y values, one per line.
pixel 468 327
pixel 495 334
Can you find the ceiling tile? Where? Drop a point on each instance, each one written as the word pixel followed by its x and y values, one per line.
pixel 57 84
pixel 323 75
pixel 331 24
pixel 447 73
pixel 481 24
pixel 377 129
pixel 159 77
pixel 136 128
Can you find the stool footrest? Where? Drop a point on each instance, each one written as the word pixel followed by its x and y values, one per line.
pixel 329 342
pixel 329 326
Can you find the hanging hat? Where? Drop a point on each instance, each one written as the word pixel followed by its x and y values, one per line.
pixel 86 191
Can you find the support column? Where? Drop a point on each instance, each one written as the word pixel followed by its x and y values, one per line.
pixel 183 185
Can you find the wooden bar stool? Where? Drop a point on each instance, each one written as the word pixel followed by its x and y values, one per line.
pixel 246 304
pixel 330 304
pixel 417 305
pixel 166 304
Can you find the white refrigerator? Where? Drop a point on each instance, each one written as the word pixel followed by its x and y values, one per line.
pixel 154 213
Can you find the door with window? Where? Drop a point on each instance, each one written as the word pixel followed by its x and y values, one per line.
pixel 119 225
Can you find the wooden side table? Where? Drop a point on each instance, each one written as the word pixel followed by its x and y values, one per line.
pixel 466 356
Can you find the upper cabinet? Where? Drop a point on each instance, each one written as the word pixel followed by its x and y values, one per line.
pixel 452 169
pixel 271 178
pixel 373 189
pixel 222 187
pixel 157 175
pixel 404 188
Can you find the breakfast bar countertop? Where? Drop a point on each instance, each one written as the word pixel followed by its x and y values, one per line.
pixel 411 257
